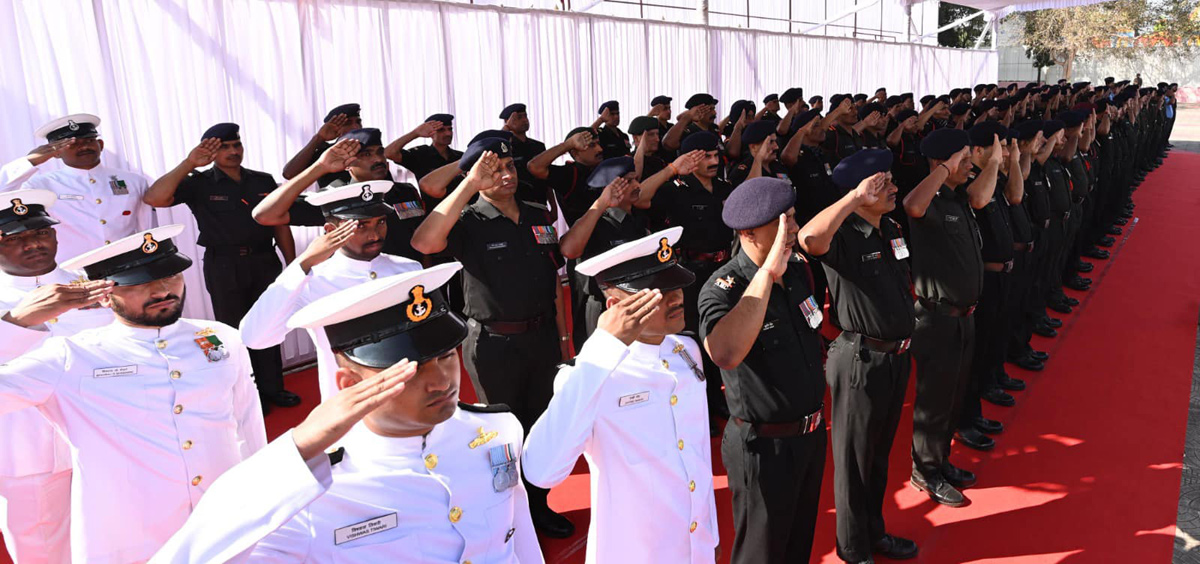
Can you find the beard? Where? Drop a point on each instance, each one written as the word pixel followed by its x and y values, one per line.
pixel 143 318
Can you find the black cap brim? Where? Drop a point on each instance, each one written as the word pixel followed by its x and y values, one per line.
pixel 27 224
pixel 168 265
pixel 376 209
pixel 672 278
pixel 429 340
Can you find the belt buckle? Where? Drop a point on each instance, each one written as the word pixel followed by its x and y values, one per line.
pixel 243 251
pixel 903 346
pixel 970 310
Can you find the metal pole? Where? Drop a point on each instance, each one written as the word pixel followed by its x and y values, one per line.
pixel 851 12
pixel 702 11
pixel 987 27
pixel 954 23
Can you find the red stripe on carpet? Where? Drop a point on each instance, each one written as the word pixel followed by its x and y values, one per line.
pixel 1088 468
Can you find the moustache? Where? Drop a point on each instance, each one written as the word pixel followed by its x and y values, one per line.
pixel 168 298
pixel 378 166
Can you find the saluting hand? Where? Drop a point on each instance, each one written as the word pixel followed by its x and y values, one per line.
pixel 329 130
pixel 330 421
pixel 50 301
pixel 485 173
pixel 996 154
pixel 626 319
pixel 428 128
pixel 581 140
pixel 328 243
pixel 43 153
pixel 687 163
pixel 781 251
pixel 204 153
pixel 613 193
pixel 871 189
pixel 338 157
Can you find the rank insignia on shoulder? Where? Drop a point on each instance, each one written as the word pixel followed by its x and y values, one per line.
pixel 725 283
pixel 484 407
pixel 212 346
pixel 483 438
pixel 503 460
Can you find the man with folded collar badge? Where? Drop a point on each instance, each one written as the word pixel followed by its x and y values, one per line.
pixel 863 252
pixel 759 320
pixel 510 255
pixel 422 478
pixel 40 300
pixel 947 272
pixel 239 253
pixel 155 407
pixel 634 405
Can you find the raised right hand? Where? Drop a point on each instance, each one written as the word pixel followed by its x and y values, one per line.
pixel 781 251
pixel 329 130
pixel 330 421
pixel 338 157
pixel 581 140
pixel 626 319
pixel 48 302
pixel 328 243
pixel 204 153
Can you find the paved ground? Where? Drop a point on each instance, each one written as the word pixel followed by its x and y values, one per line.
pixel 1186 137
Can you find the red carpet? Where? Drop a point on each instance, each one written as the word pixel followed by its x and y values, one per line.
pixel 1089 467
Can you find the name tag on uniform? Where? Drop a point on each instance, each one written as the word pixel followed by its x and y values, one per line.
pixel 114 371
pixel 951 218
pixel 828 170
pixel 118 186
pixel 365 528
pixel 872 256
pixel 408 210
pixel 504 467
pixel 812 312
pixel 497 245
pixel 70 197
pixel 633 399
pixel 899 248
pixel 545 234
pixel 216 198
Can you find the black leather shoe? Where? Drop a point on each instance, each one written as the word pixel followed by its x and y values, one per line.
pixel 1083 266
pixel 1120 221
pixel 973 438
pixel 989 426
pixel 1105 242
pixel 938 490
pixel 1045 331
pixel 1072 301
pixel 999 397
pixel 895 548
pixel 959 478
pixel 1007 382
pixel 282 398
pixel 1093 252
pixel 1060 307
pixel 1077 283
pixel 1039 355
pixel 1126 215
pixel 552 524
pixel 1052 322
pixel 1112 230
pixel 1028 363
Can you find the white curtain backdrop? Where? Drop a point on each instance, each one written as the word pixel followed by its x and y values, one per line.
pixel 159 72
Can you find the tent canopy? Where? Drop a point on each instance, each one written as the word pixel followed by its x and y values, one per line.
pixel 1001 8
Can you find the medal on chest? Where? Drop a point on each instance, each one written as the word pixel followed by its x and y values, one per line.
pixel 408 210
pixel 689 361
pixel 212 346
pixel 812 312
pixel 899 248
pixel 504 467
pixel 118 186
pixel 545 234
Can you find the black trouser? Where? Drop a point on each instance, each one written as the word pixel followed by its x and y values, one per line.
pixel 691 315
pixel 1077 239
pixel 942 348
pixel 991 331
pixel 867 389
pixel 1056 236
pixel 1067 257
pixel 516 370
pixel 1035 302
pixel 1017 322
pixel 234 283
pixel 776 487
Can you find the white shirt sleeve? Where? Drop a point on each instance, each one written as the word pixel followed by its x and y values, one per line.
pixel 15 173
pixel 30 379
pixel 560 435
pixel 16 340
pixel 247 406
pixel 247 503
pixel 526 546
pixel 265 325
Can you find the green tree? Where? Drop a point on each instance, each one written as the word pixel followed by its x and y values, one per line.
pixel 962 36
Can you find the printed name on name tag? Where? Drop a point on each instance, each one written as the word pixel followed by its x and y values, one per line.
pixel 634 399
pixel 114 371
pixel 365 528
pixel 70 197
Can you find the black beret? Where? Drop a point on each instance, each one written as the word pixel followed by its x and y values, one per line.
pixel 907 96
pixel 736 109
pixel 791 95
pixel 812 101
pixel 1052 126
pixel 984 132
pixel 757 202
pixel 700 99
pixel 498 145
pixel 1027 130
pixel 500 133
pixel 880 89
pixel 986 105
pixel 641 124
pixel 1072 118
pixel 757 132
pixel 1108 80
pixel 222 131
pixel 1013 134
pixel 955 92
pixel 1101 105
pixel 511 109
pixel 904 115
pixel 860 98
pixel 1173 85
pixel 926 99
pixel 578 130
pixel 366 136
pixel 1079 86
pixel 960 108
pixel 349 110
pixel 869 109
pixel 941 144
pixel 944 99
pixel 1162 85
pixel 612 106
pixel 664 100
pixel 771 98
pixel 893 101
pixel 836 100
pixel 608 171
pixel 861 165
pixel 803 119
pixel 980 88
pixel 700 141
pixel 1002 105
pixel 446 119
pixel 993 85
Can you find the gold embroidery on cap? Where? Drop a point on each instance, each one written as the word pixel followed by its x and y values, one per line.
pixel 19 208
pixel 664 250
pixel 150 245
pixel 420 307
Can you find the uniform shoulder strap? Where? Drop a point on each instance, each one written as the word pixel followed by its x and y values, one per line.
pixel 484 408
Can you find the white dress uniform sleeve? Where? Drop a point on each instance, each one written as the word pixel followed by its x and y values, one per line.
pixel 527 548
pixel 30 379
pixel 16 340
pixel 247 503
pixel 560 435
pixel 247 407
pixel 265 325
pixel 15 173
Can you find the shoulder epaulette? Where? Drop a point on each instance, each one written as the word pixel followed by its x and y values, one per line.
pixel 484 408
pixel 537 205
pixel 336 456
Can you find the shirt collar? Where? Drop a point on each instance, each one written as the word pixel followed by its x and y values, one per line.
pixel 93 172
pixel 646 351
pixel 56 276
pixel 487 209
pixel 142 334
pixel 342 263
pixel 861 225
pixel 361 443
pixel 617 214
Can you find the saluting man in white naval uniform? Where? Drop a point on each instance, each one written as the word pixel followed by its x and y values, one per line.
pixel 38 300
pixel 97 204
pixel 423 479
pixel 349 253
pixel 155 407
pixel 634 404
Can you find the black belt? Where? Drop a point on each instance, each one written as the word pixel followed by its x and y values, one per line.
pixel 946 309
pixel 1005 266
pixel 515 327
pixel 238 250
pixel 1022 247
pixel 889 347
pixel 808 424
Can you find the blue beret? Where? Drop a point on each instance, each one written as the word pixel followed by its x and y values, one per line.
pixel 349 110
pixel 984 133
pixel 1013 134
pixel 608 171
pixel 366 136
pixel 664 100
pixel 736 109
pixel 446 119
pixel 815 99
pixel 511 109
pixel 893 101
pixel 869 109
pixel 700 99
pixel 771 98
pixel 791 95
pixel 803 120
pixel 502 147
pixel 1027 130
pixel 836 100
pixel 757 132
pixel 863 164
pixel 758 201
pixel 960 108
pixel 900 117
pixel 641 124
pixel 1052 126
pixel 700 141
pixel 499 133
pixel 1072 118
pixel 941 144
pixel 612 106
pixel 222 131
